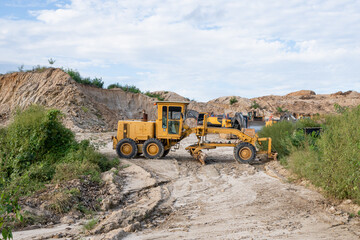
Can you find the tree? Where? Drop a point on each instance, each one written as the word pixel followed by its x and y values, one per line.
pixel 51 61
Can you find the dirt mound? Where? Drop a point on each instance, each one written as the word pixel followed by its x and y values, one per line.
pixel 307 104
pixel 222 105
pixel 171 96
pixel 301 93
pixel 85 107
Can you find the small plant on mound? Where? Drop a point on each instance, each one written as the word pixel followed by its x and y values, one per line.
pixel 36 147
pixel 74 74
pixel 126 88
pixel 233 100
pixel 255 105
pixel 154 95
pixel 280 110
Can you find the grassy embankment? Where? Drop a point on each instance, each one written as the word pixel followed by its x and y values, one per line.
pixel 330 161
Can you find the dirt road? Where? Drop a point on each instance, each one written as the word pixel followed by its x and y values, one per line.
pixel 227 200
pixel 181 199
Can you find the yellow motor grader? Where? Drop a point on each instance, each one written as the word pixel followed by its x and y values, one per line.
pixel 154 139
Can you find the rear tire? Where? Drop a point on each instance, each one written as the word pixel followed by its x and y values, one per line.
pixel 126 148
pixel 244 152
pixel 153 148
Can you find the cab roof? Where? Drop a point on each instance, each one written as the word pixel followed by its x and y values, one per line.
pixel 169 102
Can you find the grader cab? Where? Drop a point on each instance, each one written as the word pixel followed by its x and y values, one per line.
pixel 154 139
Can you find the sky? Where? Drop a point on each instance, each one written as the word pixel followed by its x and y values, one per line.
pixel 200 49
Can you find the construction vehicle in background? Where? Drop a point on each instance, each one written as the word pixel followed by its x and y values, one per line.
pixel 255 116
pixel 239 121
pixel 154 139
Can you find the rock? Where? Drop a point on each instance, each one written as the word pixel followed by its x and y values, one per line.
pixel 332 210
pixel 301 93
pixel 115 234
pixel 132 227
pixel 67 220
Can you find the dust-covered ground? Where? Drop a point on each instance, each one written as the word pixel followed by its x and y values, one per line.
pixel 178 198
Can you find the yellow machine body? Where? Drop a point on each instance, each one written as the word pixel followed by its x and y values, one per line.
pixel 218 122
pixel 154 139
pixel 134 129
pixel 168 126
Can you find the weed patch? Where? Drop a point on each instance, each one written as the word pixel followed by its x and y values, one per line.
pixel 91 224
pixel 330 161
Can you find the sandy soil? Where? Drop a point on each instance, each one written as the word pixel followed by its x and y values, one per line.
pixel 221 200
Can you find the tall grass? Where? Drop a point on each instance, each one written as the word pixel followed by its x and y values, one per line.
pixel 330 161
pixel 333 163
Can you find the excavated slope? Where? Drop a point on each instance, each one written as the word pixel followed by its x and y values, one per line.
pixel 91 108
pixel 85 107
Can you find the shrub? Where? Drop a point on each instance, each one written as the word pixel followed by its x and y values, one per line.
pixel 126 88
pixel 233 100
pixel 286 134
pixel 255 105
pixel 280 110
pixel 36 149
pixel 74 74
pixel 39 68
pixel 91 224
pixel 9 211
pixel 330 161
pixel 154 95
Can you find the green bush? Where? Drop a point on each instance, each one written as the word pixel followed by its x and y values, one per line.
pixel 233 100
pixel 9 211
pixel 35 148
pixel 285 135
pixel 126 88
pixel 334 162
pixel 74 74
pixel 255 105
pixel 154 95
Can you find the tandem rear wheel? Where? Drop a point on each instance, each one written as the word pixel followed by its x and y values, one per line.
pixel 153 148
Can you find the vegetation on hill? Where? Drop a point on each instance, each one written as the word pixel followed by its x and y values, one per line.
pixel 134 89
pixel 96 82
pixel 330 161
pixel 233 100
pixel 126 88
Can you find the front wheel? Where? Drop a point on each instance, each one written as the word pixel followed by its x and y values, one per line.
pixel 126 148
pixel 244 152
pixel 153 148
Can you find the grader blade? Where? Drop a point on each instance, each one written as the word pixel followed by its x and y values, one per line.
pixel 202 157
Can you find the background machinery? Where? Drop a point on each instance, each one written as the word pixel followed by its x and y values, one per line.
pixel 155 138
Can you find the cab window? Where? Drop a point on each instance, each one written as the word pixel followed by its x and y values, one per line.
pixel 175 113
pixel 164 117
pixel 174 120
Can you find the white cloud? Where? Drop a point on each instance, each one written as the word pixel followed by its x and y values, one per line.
pixel 200 49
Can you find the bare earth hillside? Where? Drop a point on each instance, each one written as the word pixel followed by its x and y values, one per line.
pixel 90 108
pixel 85 107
